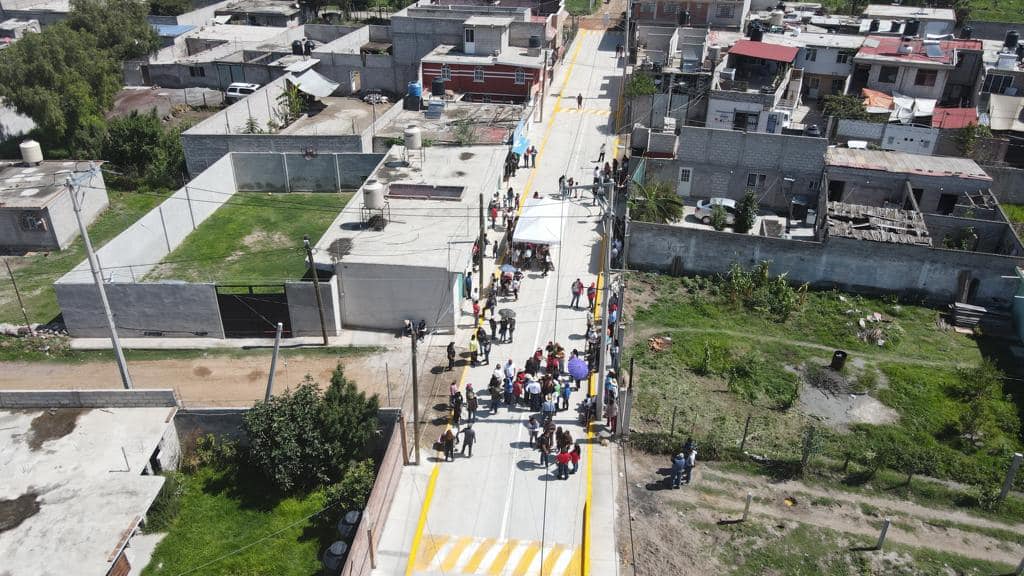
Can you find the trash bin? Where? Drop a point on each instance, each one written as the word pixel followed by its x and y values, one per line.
pixel 838 360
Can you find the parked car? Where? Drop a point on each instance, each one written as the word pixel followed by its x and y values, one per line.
pixel 238 90
pixel 706 207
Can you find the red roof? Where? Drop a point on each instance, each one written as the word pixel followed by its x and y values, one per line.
pixel 763 50
pixel 887 47
pixel 954 118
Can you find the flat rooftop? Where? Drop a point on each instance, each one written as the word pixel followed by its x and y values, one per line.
pixel 498 21
pixel 23 186
pixel 237 33
pixel 421 232
pixel 260 7
pixel 338 115
pixel 903 163
pixel 847 41
pixel 42 6
pixel 76 476
pixel 512 55
pixel 493 121
pixel 939 52
pixel 918 12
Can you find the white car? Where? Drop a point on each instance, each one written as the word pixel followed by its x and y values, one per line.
pixel 706 207
pixel 238 90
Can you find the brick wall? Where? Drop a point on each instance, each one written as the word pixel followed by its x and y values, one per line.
pixel 13 399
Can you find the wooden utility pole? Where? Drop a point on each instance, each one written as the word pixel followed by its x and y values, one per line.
pixel 316 287
pixel 483 248
pixel 415 400
pixel 28 325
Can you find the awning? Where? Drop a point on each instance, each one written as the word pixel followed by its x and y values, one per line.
pixel 540 222
pixel 222 18
pixel 315 85
pixel 1005 112
pixel 765 51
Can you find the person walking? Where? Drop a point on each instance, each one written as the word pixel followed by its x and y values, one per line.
pixel 678 466
pixel 510 196
pixel 600 155
pixel 512 321
pixel 495 391
pixel 509 396
pixel 534 429
pixel 503 330
pixel 469 285
pixel 577 291
pixel 472 404
pixel 476 312
pixel 615 166
pixel 515 298
pixel 448 444
pixel 451 356
pixel 474 349
pixel 494 325
pixel 574 458
pixel 485 346
pixel 533 154
pixel 579 102
pixel 468 439
pixel 591 295
pixel 691 461
pixel 457 410
pixel 566 394
pixel 563 460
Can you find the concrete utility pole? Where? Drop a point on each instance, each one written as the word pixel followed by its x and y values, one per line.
pixel 543 85
pixel 602 363
pixel 273 362
pixel 74 185
pixel 415 399
pixel 17 293
pixel 316 287
pixel 483 249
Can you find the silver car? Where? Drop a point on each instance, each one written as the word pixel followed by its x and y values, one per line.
pixel 706 207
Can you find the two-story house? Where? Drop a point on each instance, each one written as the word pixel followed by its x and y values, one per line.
pixel 944 70
pixel 698 13
pixel 755 89
pixel 937 21
pixel 826 59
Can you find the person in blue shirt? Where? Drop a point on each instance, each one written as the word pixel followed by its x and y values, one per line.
pixel 679 462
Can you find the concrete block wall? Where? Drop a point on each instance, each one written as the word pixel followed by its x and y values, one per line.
pixel 155 398
pixel 875 187
pixel 388 295
pixel 993 236
pixel 847 264
pixel 302 308
pixel 168 309
pixel 266 172
pixel 1007 183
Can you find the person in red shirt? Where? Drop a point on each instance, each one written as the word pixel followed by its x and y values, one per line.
pixel 563 460
pixel 476 312
pixel 574 458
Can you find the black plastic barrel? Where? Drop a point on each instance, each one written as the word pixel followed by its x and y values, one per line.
pixel 1012 39
pixel 838 360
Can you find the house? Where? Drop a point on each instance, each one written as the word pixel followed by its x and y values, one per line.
pixel 677 60
pixel 1003 73
pixel 80 472
pixel 826 60
pixel 1004 115
pixel 945 70
pixel 36 209
pixel 731 14
pixel 485 67
pixel 45 12
pixel 934 21
pixel 756 88
pixel 276 13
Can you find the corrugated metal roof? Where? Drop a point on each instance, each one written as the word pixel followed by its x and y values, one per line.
pixel 888 48
pixel 764 51
pixel 952 118
pixel 903 163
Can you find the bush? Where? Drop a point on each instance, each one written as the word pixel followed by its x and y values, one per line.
pixel 211 451
pixel 719 218
pixel 166 505
pixel 746 212
pixel 144 151
pixel 353 490
pixel 753 378
pixel 758 291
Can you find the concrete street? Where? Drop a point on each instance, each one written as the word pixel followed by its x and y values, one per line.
pixel 501 512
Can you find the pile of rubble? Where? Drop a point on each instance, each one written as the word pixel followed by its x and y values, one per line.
pixel 44 331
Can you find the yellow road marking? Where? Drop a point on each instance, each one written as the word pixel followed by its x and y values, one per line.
pixel 453 556
pixel 526 560
pixel 574 564
pixel 498 565
pixel 478 556
pixel 551 559
pixel 432 545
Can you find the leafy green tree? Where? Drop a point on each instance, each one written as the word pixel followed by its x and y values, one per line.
pixel 348 420
pixel 144 150
pixel 120 26
pixel 290 105
pixel 719 217
pixel 655 202
pixel 845 107
pixel 64 82
pixel 169 7
pixel 983 410
pixel 746 212
pixel 640 84
pixel 969 139
pixel 353 490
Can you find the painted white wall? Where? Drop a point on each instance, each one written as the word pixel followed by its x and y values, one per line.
pixel 825 62
pixel 905 82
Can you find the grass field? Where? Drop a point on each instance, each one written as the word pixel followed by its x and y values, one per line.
pixel 982 10
pixel 252 238
pixel 222 510
pixel 36 273
pixel 582 7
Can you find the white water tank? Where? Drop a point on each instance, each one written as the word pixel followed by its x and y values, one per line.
pixel 776 17
pixel 373 195
pixel 31 152
pixel 1007 61
pixel 413 137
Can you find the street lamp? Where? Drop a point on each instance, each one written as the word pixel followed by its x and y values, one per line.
pixel 789 197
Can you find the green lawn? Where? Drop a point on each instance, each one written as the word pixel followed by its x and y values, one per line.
pixel 221 511
pixel 981 10
pixel 1015 212
pixel 582 7
pixel 252 238
pixel 35 274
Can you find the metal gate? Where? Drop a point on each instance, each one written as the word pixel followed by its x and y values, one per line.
pixel 253 310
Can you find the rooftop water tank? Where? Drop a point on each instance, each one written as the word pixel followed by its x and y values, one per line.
pixel 415 89
pixel 413 137
pixel 776 17
pixel 437 88
pixel 873 26
pixel 31 152
pixel 966 32
pixel 1007 61
pixel 1012 39
pixel 756 33
pixel 373 195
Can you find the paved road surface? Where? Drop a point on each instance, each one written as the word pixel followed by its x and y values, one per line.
pixel 501 512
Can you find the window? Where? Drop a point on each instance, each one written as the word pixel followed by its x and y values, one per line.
pixel 725 11
pixel 810 54
pixel 887 74
pixel 755 180
pixel 838 85
pixel 745 121
pixel 520 76
pixel 684 174
pixel 835 190
pixel 670 8
pixel 197 71
pixel 926 77
pixel 446 72
pixel 947 202
pixel 32 222
pixel 469 35
pixel 478 74
pixel 996 83
pixel 843 57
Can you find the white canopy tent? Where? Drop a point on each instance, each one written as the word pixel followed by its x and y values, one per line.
pixel 315 85
pixel 540 222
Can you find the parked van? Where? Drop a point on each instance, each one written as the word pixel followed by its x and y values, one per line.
pixel 238 90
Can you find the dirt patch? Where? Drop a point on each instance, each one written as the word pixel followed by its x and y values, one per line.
pixel 255 375
pixel 53 424
pixel 466 155
pixel 832 403
pixel 202 371
pixel 14 512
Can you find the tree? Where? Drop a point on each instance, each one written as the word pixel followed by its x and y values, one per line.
pixel 465 132
pixel 979 389
pixel 143 149
pixel 353 490
pixel 290 105
pixel 746 212
pixel 64 82
pixel 969 139
pixel 119 26
pixel 640 84
pixel 845 107
pixel 348 420
pixel 655 202
pixel 719 217
pixel 169 7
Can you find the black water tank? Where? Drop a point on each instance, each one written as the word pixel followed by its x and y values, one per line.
pixel 437 87
pixel 684 18
pixel 966 32
pixel 534 42
pixel 756 33
pixel 838 360
pixel 911 28
pixel 297 47
pixel 310 45
pixel 1012 39
pixel 873 27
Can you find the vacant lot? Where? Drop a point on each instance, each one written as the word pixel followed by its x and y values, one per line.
pixel 912 400
pixel 984 10
pixel 36 272
pixel 252 238
pixel 1015 212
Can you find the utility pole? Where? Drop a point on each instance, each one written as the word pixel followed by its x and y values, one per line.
pixel 543 85
pixel 483 248
pixel 609 234
pixel 273 362
pixel 316 286
pixel 415 400
pixel 28 325
pixel 73 185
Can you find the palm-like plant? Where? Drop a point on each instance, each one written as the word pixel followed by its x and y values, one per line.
pixel 655 202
